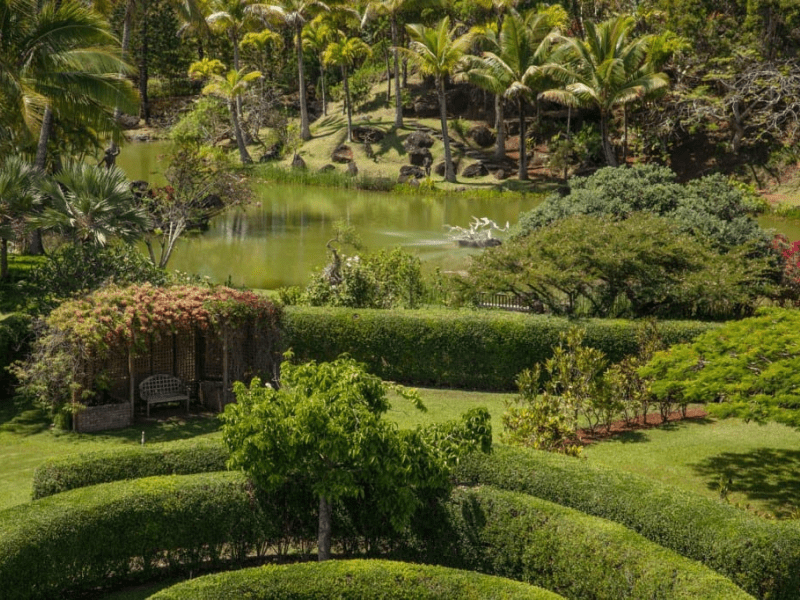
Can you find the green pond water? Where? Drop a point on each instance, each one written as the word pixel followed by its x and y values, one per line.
pixel 279 240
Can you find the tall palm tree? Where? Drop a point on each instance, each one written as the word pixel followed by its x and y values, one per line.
pixel 231 87
pixel 17 198
pixel 393 9
pixel 438 51
pixel 516 70
pixel 606 70
pixel 91 205
pixel 59 59
pixel 316 37
pixel 344 53
pixel 294 14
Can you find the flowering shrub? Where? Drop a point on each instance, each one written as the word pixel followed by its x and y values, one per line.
pixel 789 253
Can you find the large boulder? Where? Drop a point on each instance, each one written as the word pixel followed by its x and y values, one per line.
pixel 409 171
pixel 298 162
pixel 342 154
pixel 418 139
pixel 367 134
pixel 482 135
pixel 439 168
pixel 272 153
pixel 420 157
pixel 475 170
pixel 352 169
pixel 327 168
pixel 426 106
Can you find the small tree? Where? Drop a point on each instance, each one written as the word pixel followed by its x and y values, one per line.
pixel 324 425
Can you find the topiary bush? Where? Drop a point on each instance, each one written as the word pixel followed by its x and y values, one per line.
pixel 482 350
pixel 760 556
pixel 60 474
pixel 579 556
pixel 353 580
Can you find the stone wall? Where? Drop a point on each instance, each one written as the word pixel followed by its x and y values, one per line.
pixel 108 416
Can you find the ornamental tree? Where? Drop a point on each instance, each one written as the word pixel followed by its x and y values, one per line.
pixel 748 369
pixel 324 425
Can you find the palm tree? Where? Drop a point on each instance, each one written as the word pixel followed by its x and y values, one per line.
pixel 231 87
pixel 91 205
pixel 604 71
pixel 344 53
pixel 58 59
pixel 438 51
pixel 17 198
pixel 516 71
pixel 294 14
pixel 393 9
pixel 316 38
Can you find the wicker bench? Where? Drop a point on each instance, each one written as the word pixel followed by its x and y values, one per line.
pixel 158 389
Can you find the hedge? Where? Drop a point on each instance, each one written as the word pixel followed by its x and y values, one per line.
pixel 518 536
pixel 353 580
pixel 101 535
pixel 762 557
pixel 60 474
pixel 483 350
pixel 15 334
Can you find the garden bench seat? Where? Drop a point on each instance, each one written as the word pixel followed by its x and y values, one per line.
pixel 161 388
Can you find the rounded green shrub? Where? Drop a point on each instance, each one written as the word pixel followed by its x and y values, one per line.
pixel 762 557
pixel 353 580
pixel 56 475
pixel 482 350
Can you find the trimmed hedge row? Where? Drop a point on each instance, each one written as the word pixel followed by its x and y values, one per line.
pixel 760 556
pixel 353 580
pixel 97 536
pixel 57 475
pixel 100 535
pixel 483 350
pixel 576 555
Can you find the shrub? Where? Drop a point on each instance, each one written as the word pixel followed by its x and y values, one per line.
pixel 354 580
pixel 101 535
pixel 468 349
pixel 15 333
pixel 61 474
pixel 762 557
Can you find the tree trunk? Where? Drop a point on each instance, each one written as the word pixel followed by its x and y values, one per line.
pixel 235 41
pixel 144 107
pixel 523 146
pixel 608 150
pixel 244 155
pixel 500 126
pixel 127 26
pixel 322 85
pixel 305 130
pixel 349 107
pixel 3 258
pixel 388 78
pixel 398 100
pixel 324 536
pixel 35 245
pixel 449 171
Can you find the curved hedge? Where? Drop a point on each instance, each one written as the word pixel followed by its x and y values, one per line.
pixel 760 556
pixel 465 349
pixel 57 475
pixel 353 580
pixel 96 536
pixel 518 536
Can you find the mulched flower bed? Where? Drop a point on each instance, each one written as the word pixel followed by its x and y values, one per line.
pixel 653 420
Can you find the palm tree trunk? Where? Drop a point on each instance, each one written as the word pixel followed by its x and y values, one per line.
pixel 349 107
pixel 523 147
pixel 144 108
pixel 324 535
pixel 127 26
pixel 449 171
pixel 398 101
pixel 608 150
pixel 235 41
pixel 3 258
pixel 500 126
pixel 305 130
pixel 35 244
pixel 388 78
pixel 244 155
pixel 322 84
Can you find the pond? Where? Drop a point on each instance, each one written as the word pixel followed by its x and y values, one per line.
pixel 279 240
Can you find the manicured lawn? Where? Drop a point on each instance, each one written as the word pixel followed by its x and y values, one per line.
pixel 760 465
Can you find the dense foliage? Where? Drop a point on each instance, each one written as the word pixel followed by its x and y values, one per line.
pixel 746 369
pixel 760 556
pixel 637 267
pixel 325 425
pixel 466 349
pixel 354 580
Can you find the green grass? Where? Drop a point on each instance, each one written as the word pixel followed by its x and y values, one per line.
pixel 447 405
pixel 759 465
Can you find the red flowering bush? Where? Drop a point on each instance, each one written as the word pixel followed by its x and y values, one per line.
pixel 789 253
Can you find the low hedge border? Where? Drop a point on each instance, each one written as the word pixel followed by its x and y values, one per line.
pixel 483 350
pixel 762 557
pixel 525 538
pixel 61 474
pixel 98 536
pixel 353 580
